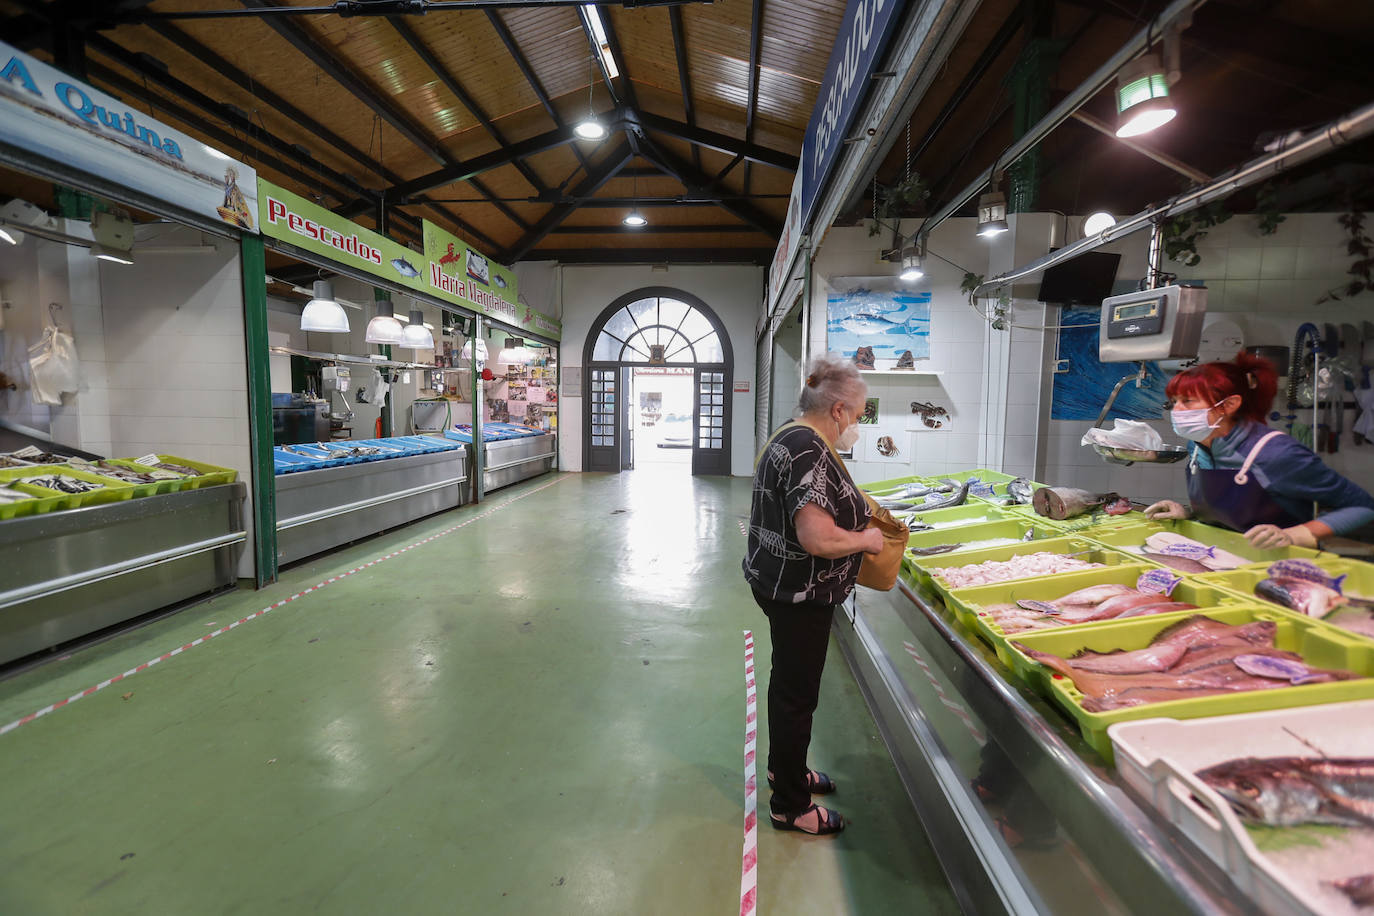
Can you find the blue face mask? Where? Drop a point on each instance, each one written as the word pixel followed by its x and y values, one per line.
pixel 1193 424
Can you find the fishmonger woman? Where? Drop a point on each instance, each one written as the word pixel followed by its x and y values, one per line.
pixel 1248 477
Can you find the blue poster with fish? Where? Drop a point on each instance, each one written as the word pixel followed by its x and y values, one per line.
pixel 890 322
pixel 1087 382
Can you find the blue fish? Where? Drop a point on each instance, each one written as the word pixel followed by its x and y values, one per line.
pixel 404 267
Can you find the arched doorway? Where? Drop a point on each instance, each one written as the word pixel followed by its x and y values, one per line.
pixel 656 326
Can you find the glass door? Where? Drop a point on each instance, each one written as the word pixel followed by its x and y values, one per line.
pixel 711 436
pixel 602 435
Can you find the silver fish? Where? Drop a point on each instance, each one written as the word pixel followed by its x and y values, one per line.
pixel 1305 570
pixel 1301 595
pixel 1020 490
pixel 404 267
pixel 1287 791
pixel 865 323
pixel 956 498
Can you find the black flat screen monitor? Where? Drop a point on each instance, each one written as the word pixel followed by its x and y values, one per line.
pixel 1084 280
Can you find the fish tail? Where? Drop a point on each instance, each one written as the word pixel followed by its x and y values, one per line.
pixel 1336 583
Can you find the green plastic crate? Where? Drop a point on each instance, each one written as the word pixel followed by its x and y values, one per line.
pixel 1319 644
pixel 1359 583
pixel 211 474
pixel 1087 525
pixel 892 484
pixel 44 500
pixel 971 601
pixel 984 531
pixel 979 512
pixel 140 489
pixel 928 568
pixel 1210 535
pixel 112 490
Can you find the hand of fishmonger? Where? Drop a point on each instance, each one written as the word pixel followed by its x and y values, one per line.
pixel 1166 508
pixel 872 540
pixel 1270 537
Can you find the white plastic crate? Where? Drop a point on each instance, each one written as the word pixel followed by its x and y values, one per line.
pixel 1158 758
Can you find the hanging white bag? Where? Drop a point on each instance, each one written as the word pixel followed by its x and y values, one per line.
pixel 53 367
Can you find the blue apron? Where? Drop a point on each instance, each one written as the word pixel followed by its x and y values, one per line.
pixel 1233 499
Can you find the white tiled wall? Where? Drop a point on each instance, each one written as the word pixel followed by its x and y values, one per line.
pixel 1268 285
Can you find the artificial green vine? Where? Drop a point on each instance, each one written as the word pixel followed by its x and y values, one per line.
pixel 1360 247
pixel 1182 233
pixel 1001 312
pixel 899 199
pixel 1267 208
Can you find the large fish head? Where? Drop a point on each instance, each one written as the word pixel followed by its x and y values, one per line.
pixel 1261 794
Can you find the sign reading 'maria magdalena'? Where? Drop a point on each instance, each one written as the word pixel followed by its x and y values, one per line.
pixel 45 112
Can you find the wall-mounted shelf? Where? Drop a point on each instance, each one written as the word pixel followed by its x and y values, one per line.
pixel 900 372
pixel 349 359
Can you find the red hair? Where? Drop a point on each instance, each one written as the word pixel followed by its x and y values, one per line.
pixel 1254 378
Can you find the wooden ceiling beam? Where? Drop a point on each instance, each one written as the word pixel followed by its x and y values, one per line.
pixel 464 171
pixel 588 186
pixel 183 40
pixel 691 180
pixel 464 97
pixel 723 143
pixel 650 229
pixel 684 76
pixel 320 56
pixel 532 78
pixel 602 255
pixel 755 46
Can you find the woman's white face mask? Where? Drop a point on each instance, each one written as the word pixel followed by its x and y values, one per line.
pixel 1193 424
pixel 849 436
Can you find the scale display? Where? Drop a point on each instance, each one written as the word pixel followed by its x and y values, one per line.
pixel 1136 319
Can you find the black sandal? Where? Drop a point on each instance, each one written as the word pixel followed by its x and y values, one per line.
pixel 817 783
pixel 832 822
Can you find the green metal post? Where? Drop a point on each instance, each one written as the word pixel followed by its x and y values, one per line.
pixel 1029 80
pixel 478 459
pixel 385 349
pixel 264 481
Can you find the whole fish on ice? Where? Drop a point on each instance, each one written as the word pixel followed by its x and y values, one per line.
pixel 1287 791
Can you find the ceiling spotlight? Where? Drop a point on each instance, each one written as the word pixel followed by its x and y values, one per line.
pixel 1097 222
pixel 415 335
pixel 1142 97
pixel 384 328
pixel 590 129
pixel 992 213
pixel 911 265
pixel 323 312
pixel 634 219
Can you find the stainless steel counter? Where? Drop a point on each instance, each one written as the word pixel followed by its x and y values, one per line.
pixel 319 510
pixel 950 719
pixel 513 460
pixel 64 575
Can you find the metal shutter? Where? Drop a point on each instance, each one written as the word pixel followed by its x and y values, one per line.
pixel 763 378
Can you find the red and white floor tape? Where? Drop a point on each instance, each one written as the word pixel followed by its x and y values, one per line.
pixel 749 872
pixel 53 707
pixel 959 711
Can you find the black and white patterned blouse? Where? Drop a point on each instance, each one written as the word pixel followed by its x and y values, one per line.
pixel 798 468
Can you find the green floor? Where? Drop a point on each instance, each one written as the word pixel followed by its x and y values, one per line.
pixel 540 712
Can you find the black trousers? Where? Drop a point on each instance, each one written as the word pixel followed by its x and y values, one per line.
pixel 801 635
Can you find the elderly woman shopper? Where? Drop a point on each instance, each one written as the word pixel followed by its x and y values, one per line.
pixel 807 536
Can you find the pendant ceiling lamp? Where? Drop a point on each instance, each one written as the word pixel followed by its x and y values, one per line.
pixel 481 350
pixel 911 264
pixel 1142 97
pixel 992 213
pixel 384 328
pixel 589 128
pixel 634 219
pixel 415 335
pixel 323 312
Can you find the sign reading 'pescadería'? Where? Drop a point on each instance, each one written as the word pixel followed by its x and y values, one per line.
pixel 44 111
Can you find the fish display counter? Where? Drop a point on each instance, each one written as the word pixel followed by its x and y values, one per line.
pixel 511 452
pixel 331 493
pixel 87 543
pixel 1031 642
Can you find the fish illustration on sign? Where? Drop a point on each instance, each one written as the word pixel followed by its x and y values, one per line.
pixel 891 323
pixel 404 267
pixel 499 280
